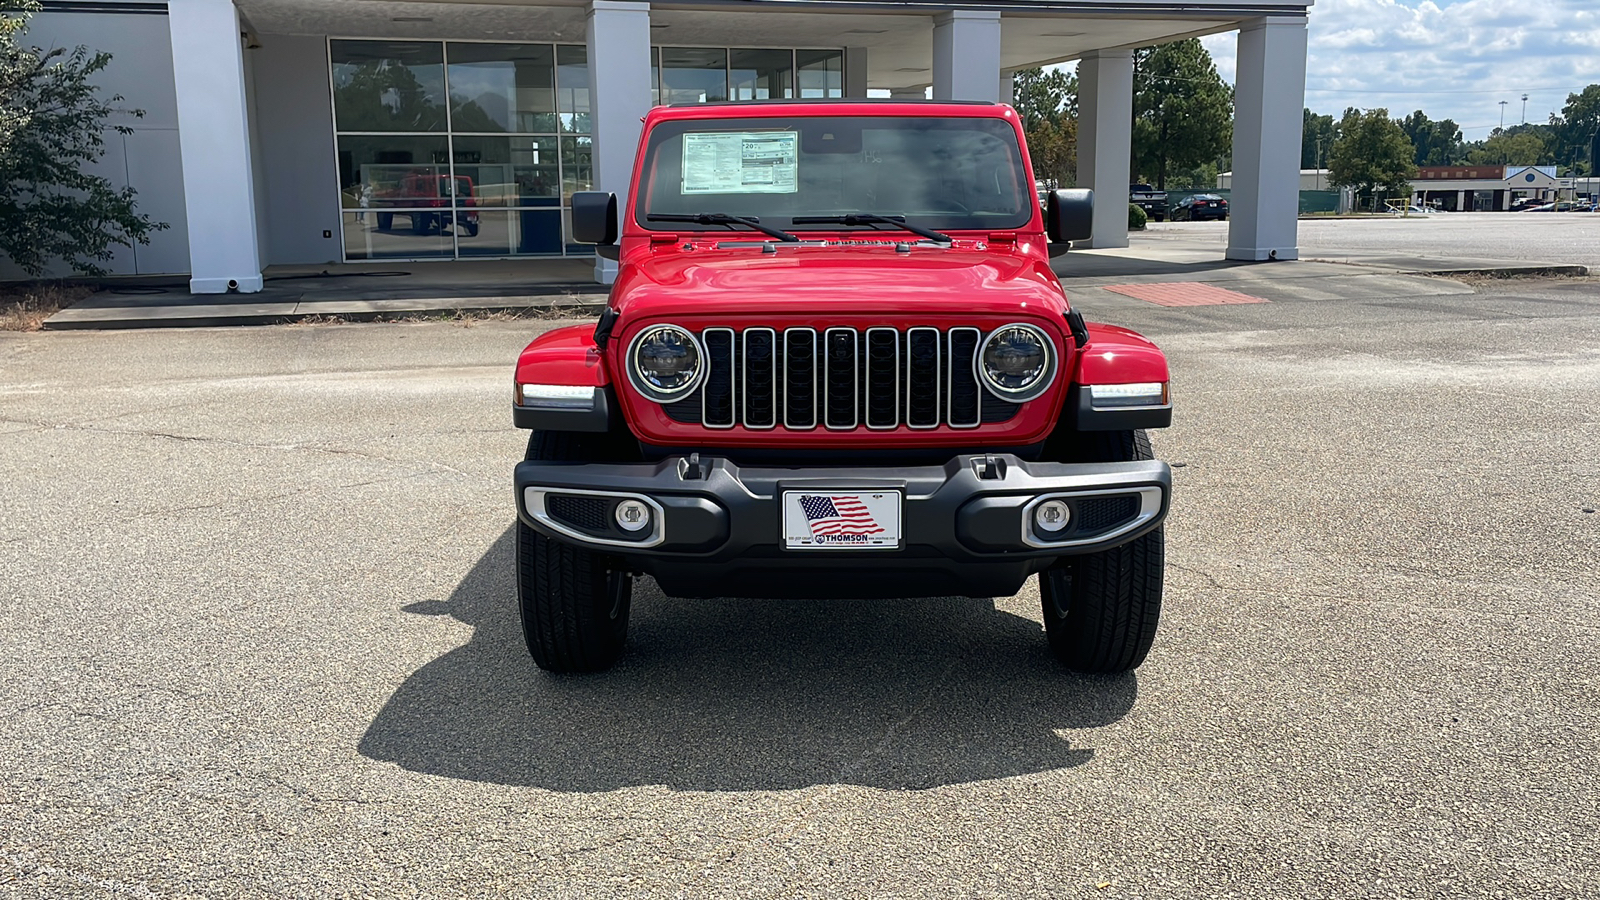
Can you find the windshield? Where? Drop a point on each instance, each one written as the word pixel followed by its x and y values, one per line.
pixel 940 173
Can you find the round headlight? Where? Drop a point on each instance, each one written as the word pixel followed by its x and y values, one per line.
pixel 666 362
pixel 1017 363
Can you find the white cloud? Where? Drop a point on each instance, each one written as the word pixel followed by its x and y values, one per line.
pixel 1451 60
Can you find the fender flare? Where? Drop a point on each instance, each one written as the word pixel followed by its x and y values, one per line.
pixel 567 357
pixel 1116 355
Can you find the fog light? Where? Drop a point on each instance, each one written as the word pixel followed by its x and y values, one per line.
pixel 1052 515
pixel 632 515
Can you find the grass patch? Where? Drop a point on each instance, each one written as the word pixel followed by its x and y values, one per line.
pixel 24 307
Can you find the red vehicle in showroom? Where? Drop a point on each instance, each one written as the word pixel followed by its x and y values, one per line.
pixel 431 190
pixel 836 363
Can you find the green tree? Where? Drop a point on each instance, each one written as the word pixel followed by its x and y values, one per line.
pixel 1576 127
pixel 381 95
pixel 1437 143
pixel 1317 134
pixel 1523 148
pixel 1047 101
pixel 1053 147
pixel 52 125
pixel 1372 154
pixel 1044 95
pixel 1182 110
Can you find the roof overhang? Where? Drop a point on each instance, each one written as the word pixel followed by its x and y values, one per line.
pixel 897 36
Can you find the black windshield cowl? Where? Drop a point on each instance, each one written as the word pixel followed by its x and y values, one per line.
pixel 724 219
pixel 875 219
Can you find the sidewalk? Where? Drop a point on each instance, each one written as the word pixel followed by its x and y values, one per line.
pixel 374 291
pixel 350 291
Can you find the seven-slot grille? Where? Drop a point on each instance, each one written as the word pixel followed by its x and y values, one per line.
pixel 840 379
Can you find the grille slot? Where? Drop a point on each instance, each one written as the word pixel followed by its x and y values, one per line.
pixel 922 377
pixel 964 390
pixel 760 378
pixel 800 378
pixel 883 378
pixel 717 404
pixel 842 379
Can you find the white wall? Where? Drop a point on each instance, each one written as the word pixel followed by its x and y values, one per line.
pixel 148 159
pixel 294 132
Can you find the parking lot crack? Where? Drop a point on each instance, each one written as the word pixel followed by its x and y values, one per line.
pixel 207 439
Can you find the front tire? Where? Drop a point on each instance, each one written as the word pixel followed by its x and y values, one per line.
pixel 574 602
pixel 1101 609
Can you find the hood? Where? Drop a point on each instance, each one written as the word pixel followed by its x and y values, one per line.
pixel 828 281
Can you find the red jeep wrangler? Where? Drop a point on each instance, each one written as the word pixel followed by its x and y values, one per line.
pixel 836 363
pixel 431 190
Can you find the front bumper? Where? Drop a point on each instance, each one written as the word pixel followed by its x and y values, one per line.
pixel 966 527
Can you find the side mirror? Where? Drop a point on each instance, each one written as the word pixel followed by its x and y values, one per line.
pixel 594 217
pixel 1068 215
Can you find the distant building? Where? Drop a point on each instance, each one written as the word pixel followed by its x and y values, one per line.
pixel 1484 188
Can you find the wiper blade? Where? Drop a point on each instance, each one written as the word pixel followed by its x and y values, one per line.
pixel 875 219
pixel 723 219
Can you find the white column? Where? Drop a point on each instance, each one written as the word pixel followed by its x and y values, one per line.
pixel 619 95
pixel 1463 201
pixel 966 55
pixel 1105 140
pixel 855 73
pixel 1008 87
pixel 1270 92
pixel 214 144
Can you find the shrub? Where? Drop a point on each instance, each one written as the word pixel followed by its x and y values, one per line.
pixel 1136 218
pixel 52 129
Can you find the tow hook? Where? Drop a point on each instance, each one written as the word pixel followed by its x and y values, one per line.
pixel 690 469
pixel 989 468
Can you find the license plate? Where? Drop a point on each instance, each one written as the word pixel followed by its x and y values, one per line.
pixel 841 520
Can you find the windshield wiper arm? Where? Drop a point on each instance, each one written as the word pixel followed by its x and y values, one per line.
pixel 723 219
pixel 875 219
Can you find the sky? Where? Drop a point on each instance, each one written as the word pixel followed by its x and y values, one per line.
pixel 1452 60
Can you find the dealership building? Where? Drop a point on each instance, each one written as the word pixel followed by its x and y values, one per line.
pixel 280 132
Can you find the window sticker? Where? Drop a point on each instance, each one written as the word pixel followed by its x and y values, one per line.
pixel 740 162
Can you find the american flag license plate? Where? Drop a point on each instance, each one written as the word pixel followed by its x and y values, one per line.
pixel 841 520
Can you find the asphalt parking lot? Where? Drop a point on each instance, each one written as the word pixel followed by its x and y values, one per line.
pixel 258 639
pixel 1572 238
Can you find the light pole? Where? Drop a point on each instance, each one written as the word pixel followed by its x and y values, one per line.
pixel 1524 109
pixel 1503 115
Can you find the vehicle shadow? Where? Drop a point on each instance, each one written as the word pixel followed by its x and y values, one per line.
pixel 731 695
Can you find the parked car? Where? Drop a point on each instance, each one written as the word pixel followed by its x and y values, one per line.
pixel 1199 207
pixel 817 377
pixel 433 190
pixel 1147 198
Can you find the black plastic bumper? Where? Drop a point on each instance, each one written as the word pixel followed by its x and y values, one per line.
pixel 966 526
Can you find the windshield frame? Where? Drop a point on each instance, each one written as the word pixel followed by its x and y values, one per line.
pixel 778 119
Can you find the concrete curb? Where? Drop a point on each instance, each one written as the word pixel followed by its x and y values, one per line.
pixel 1530 271
pixel 78 318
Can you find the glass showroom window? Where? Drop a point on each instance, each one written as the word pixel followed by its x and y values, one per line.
pixel 459 149
pixel 705 74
